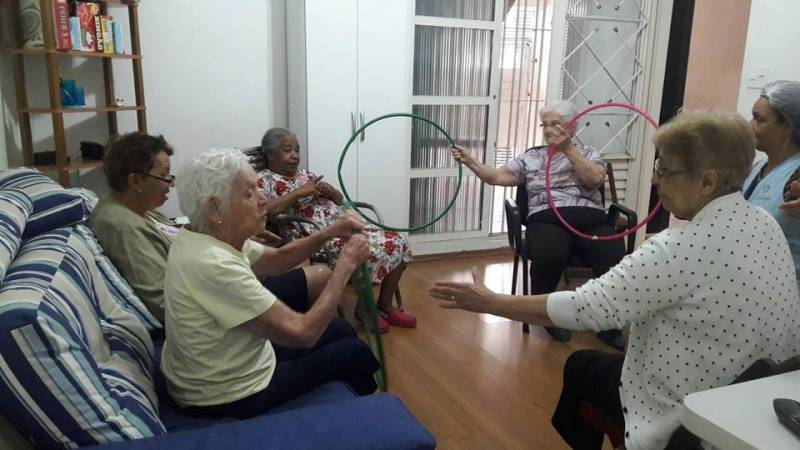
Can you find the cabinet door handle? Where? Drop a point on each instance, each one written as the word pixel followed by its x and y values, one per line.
pixel 363 132
pixel 352 123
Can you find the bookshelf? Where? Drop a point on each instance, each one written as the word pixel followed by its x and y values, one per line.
pixel 63 166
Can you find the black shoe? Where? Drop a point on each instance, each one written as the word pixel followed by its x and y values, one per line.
pixel 559 334
pixel 613 338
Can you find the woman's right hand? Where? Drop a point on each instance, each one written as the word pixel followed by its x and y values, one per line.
pixel 349 223
pixel 355 252
pixel 461 154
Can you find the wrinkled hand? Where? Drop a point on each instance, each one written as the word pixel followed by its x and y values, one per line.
pixel 325 189
pixel 791 209
pixel 473 296
pixel 346 225
pixel 355 252
pixel 267 238
pixel 460 154
pixel 309 189
pixel 561 138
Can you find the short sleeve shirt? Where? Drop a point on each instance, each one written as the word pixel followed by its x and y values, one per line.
pixel 565 186
pixel 210 289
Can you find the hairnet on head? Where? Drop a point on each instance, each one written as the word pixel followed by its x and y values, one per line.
pixel 784 97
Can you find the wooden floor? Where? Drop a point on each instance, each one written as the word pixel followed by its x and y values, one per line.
pixel 475 380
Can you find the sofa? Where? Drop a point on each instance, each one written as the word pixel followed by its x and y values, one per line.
pixel 80 352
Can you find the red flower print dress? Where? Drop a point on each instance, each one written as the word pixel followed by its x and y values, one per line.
pixel 389 249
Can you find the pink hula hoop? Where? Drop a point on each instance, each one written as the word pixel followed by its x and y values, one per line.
pixel 552 152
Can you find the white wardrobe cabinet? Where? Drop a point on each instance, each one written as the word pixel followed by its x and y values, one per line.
pixel 350 61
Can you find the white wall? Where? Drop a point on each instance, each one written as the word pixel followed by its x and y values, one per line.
pixel 772 42
pixel 214 76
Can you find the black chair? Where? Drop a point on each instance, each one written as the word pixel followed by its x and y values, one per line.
pixel 620 218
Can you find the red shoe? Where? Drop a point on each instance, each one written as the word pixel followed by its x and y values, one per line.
pixel 399 318
pixel 383 325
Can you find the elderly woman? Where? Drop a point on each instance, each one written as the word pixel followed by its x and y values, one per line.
pixel 221 322
pixel 703 301
pixel 301 192
pixel 776 124
pixel 137 238
pixel 577 176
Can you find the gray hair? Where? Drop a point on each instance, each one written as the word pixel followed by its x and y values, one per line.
pixel 210 175
pixel 563 108
pixel 784 97
pixel 273 139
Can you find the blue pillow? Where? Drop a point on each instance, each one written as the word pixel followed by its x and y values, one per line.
pixel 53 206
pixel 15 207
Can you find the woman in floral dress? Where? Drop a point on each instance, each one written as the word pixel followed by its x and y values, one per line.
pixel 300 192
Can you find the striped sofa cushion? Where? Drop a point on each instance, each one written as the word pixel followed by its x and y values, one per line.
pixel 121 291
pixel 15 207
pixel 53 206
pixel 76 367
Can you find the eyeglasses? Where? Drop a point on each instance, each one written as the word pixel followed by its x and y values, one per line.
pixel 661 173
pixel 169 179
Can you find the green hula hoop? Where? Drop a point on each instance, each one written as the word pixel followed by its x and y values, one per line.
pixel 364 215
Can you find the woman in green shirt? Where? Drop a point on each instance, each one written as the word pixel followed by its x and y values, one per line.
pixel 137 238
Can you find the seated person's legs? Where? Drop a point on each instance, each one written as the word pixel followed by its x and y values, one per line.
pixel 339 355
pixel 299 287
pixel 593 377
pixel 549 246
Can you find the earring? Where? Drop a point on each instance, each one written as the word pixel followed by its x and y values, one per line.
pixel 140 191
pixel 219 222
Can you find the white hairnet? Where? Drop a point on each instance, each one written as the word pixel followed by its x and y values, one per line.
pixel 784 97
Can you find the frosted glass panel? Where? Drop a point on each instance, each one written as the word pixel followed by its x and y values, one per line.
pixel 452 61
pixel 457 9
pixel 429 197
pixel 466 124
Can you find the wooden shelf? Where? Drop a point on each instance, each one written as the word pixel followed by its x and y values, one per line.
pixel 65 110
pixel 75 53
pixel 71 167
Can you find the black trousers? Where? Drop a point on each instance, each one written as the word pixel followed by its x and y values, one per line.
pixel 551 245
pixel 592 376
pixel 339 354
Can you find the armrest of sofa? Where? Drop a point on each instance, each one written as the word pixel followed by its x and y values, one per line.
pixel 374 422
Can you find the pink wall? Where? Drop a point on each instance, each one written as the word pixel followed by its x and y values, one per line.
pixel 716 53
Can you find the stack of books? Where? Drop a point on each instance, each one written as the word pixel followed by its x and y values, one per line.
pixel 79 26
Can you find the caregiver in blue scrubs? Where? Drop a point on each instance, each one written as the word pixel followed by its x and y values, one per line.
pixel 776 123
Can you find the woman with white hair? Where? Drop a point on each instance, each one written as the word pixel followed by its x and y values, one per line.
pixel 577 175
pixel 221 322
pixel 703 301
pixel 772 183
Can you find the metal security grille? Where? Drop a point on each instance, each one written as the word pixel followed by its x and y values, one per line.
pixel 525 51
pixel 603 63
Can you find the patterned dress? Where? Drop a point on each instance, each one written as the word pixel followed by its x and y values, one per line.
pixel 389 249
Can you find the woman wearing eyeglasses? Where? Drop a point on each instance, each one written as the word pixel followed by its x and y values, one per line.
pixel 133 234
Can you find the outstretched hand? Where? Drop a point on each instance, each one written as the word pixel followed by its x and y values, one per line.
pixel 460 154
pixel 473 296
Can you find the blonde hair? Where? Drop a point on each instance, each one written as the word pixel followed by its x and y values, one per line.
pixel 718 140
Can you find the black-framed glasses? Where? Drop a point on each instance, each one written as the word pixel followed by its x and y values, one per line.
pixel 662 173
pixel 169 179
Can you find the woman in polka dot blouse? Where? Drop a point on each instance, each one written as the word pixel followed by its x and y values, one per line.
pixel 703 302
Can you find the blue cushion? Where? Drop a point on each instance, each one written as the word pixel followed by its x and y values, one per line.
pixel 15 207
pixel 76 368
pixel 53 206
pixel 121 291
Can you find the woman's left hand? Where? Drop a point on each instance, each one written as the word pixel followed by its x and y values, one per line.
pixel 325 189
pixel 473 296
pixel 791 209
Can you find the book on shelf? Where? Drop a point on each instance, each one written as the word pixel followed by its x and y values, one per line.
pixel 119 47
pixel 98 33
pixel 106 24
pixel 87 14
pixel 75 33
pixel 61 24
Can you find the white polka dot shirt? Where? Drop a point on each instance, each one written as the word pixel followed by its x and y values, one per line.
pixel 703 302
